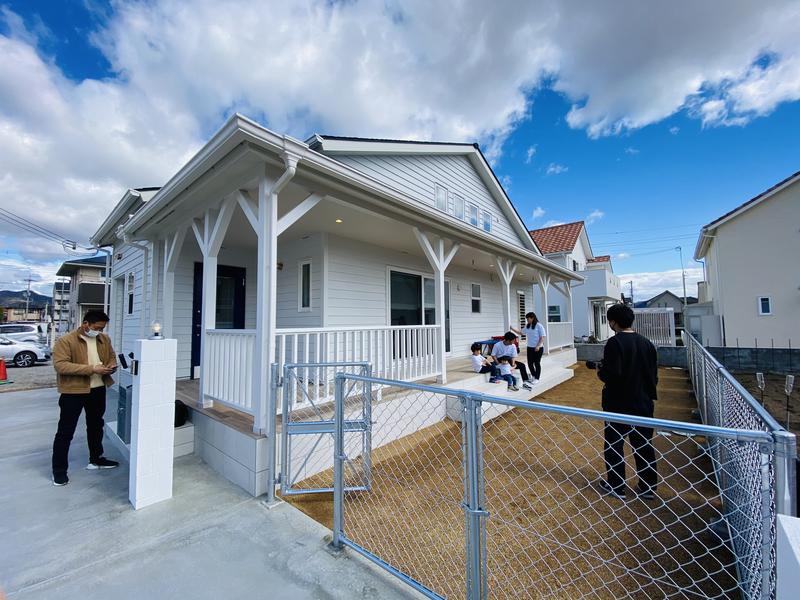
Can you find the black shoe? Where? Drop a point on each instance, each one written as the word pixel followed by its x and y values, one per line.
pixel 102 463
pixel 645 493
pixel 60 479
pixel 607 490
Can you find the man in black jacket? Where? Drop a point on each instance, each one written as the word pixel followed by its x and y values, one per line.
pixel 630 373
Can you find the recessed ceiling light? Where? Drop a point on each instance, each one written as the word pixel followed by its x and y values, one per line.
pixel 338 220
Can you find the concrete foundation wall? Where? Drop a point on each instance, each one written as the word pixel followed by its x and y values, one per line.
pixel 765 360
pixel 668 356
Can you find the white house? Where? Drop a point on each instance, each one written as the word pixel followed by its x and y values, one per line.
pixel 568 245
pixel 86 289
pixel 751 289
pixel 264 250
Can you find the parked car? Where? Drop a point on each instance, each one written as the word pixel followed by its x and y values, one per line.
pixel 35 333
pixel 23 354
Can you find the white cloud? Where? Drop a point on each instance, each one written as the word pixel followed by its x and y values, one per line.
pixel 68 149
pixel 622 256
pixel 506 180
pixel 553 223
pixel 538 212
pixel 14 274
pixel 530 154
pixel 631 150
pixel 595 215
pixel 556 169
pixel 648 284
pixel 674 130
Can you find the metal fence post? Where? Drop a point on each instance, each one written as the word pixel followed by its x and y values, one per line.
pixel 766 517
pixel 338 463
pixel 785 473
pixel 473 501
pixel 272 407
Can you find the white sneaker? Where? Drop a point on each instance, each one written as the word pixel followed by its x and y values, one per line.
pixel 527 386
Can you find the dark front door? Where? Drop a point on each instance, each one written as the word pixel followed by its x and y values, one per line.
pixel 231 285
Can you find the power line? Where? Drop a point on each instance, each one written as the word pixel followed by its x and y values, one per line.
pixel 29 226
pixel 622 232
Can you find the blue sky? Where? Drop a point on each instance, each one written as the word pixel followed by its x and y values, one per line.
pixel 586 113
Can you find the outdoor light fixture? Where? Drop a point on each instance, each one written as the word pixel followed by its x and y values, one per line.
pixel 155 328
pixel 338 220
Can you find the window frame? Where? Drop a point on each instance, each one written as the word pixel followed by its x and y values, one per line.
pixel 300 269
pixel 474 298
pixel 552 314
pixel 458 200
pixel 130 289
pixel 759 304
pixel 437 188
pixel 470 206
pixel 486 219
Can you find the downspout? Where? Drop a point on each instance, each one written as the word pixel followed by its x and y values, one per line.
pixel 106 292
pixel 143 247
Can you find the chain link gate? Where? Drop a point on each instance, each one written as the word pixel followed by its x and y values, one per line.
pixel 307 427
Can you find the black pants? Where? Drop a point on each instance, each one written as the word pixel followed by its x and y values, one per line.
pixel 535 362
pixel 491 369
pixel 523 372
pixel 94 403
pixel 641 439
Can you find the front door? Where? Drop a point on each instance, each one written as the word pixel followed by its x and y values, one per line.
pixel 231 284
pixel 413 301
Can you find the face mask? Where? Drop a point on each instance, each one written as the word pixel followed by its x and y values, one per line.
pixel 92 333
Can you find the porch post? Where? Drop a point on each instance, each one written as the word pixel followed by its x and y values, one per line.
pixel 210 233
pixel 172 249
pixel 544 283
pixel 155 280
pixel 439 261
pixel 506 270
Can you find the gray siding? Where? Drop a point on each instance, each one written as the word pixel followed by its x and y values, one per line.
pixel 417 176
pixel 290 254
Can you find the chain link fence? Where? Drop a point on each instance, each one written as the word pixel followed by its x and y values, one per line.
pixel 476 496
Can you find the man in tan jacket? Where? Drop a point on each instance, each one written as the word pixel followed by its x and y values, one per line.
pixel 84 361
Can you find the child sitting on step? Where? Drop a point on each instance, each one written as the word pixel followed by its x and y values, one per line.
pixel 481 365
pixel 504 367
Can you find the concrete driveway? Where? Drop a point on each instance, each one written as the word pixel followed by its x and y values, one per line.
pixel 84 541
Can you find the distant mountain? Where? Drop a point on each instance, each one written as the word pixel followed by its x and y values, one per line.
pixel 9 299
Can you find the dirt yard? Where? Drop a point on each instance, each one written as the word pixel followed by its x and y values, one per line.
pixel 775 397
pixel 549 533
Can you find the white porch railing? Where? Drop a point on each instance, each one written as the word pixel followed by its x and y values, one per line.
pixel 559 335
pixel 406 353
pixel 227 368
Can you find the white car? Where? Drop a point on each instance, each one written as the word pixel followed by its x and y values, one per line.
pixel 23 354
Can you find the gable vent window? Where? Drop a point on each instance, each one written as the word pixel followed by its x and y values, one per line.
pixel 440 197
pixel 764 305
pixel 472 214
pixel 458 207
pixel 131 285
pixel 486 221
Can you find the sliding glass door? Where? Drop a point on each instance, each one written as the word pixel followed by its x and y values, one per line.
pixel 413 301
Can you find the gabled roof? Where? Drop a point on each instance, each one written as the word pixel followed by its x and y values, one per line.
pixel 600 259
pixel 333 145
pixel 70 266
pixel 706 232
pixel 129 204
pixel 558 238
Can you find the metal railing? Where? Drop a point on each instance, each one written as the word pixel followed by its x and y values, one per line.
pixel 559 335
pixel 656 324
pixel 474 496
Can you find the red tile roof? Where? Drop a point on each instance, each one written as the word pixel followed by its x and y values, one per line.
pixel 559 238
pixel 597 259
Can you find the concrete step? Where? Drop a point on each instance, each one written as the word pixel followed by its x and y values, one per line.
pixel 480 383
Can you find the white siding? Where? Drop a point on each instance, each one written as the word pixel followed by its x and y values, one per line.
pixel 358 291
pixel 132 262
pixel 417 176
pixel 290 253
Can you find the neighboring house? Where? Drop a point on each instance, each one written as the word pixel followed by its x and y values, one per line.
pixel 61 295
pixel 24 306
pixel 667 299
pixel 751 289
pixel 264 250
pixel 568 245
pixel 87 287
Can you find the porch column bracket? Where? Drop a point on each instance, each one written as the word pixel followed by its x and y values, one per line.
pixel 291 217
pixel 506 268
pixel 439 259
pixel 249 207
pixel 172 249
pixel 211 231
pixel 544 283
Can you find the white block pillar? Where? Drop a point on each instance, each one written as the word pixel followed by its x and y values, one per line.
pixel 152 422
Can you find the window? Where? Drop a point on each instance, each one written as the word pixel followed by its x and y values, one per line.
pixel 521 312
pixel 764 305
pixel 554 313
pixel 441 197
pixel 458 207
pixel 131 286
pixel 476 298
pixel 472 214
pixel 304 286
pixel 487 220
pixel 575 265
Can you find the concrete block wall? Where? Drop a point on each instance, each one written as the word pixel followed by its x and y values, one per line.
pixel 765 360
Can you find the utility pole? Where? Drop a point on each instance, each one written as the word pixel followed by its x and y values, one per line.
pixel 683 276
pixel 631 284
pixel 27 296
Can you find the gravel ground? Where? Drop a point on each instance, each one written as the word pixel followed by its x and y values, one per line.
pixel 41 375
